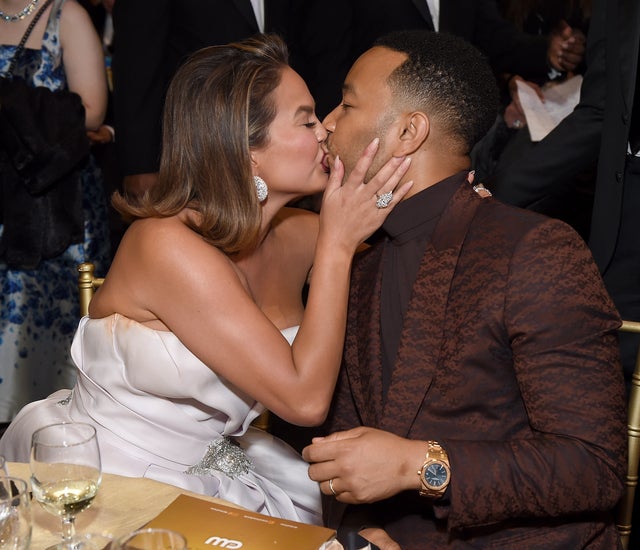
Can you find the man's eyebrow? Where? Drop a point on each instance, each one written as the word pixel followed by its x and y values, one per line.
pixel 347 88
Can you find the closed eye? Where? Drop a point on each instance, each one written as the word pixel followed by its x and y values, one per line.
pixel 311 124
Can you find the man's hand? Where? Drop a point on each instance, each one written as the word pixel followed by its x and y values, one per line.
pixel 566 48
pixel 380 538
pixel 364 464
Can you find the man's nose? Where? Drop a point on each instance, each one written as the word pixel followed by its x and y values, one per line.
pixel 329 122
pixel 321 133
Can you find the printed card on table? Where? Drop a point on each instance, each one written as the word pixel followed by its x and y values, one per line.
pixel 209 526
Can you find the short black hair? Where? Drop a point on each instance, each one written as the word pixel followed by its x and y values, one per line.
pixel 448 78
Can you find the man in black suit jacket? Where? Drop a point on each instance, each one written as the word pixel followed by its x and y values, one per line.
pixel 153 37
pixel 615 228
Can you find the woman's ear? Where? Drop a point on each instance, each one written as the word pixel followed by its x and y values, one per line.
pixel 254 162
pixel 414 133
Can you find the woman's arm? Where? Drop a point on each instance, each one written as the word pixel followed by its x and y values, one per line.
pixel 168 271
pixel 345 221
pixel 83 62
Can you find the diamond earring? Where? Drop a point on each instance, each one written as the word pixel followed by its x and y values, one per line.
pixel 261 188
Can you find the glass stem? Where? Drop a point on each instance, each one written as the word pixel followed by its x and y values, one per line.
pixel 68 528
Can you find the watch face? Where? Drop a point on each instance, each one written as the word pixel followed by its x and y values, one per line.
pixel 435 475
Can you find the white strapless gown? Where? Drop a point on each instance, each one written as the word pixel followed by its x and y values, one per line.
pixel 160 412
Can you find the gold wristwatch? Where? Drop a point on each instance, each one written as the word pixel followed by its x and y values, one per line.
pixel 435 473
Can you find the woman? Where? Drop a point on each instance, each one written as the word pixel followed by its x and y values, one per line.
pixel 183 347
pixel 39 304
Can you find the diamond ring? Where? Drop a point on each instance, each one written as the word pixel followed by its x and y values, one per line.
pixel 384 200
pixel 517 123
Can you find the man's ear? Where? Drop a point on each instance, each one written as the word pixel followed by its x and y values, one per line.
pixel 413 133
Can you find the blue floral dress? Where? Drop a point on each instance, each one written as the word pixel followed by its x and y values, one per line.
pixel 39 307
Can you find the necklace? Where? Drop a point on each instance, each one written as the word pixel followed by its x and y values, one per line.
pixel 24 12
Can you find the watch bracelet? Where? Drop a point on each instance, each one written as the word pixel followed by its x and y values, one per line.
pixel 435 454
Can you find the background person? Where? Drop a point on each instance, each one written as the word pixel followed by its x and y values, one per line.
pixel 39 302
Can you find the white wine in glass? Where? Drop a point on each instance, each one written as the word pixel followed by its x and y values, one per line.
pixel 65 472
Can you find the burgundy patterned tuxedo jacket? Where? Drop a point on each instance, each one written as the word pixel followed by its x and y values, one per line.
pixel 508 357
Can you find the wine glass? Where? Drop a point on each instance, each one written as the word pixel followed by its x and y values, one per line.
pixel 15 514
pixel 152 539
pixel 65 472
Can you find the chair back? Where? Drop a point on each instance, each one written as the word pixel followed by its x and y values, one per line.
pixel 625 507
pixel 87 285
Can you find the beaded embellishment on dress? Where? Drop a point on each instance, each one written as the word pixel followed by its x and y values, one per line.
pixel 223 455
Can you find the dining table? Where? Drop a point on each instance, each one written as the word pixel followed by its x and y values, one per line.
pixel 122 504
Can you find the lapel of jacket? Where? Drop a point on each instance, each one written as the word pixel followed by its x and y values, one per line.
pixel 363 354
pixel 423 8
pixel 246 9
pixel 423 330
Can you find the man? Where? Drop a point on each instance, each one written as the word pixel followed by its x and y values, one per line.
pixel 481 392
pixel 615 225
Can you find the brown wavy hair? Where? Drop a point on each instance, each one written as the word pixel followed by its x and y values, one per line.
pixel 219 106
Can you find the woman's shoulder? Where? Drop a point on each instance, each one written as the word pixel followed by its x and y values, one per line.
pixel 71 12
pixel 75 23
pixel 168 239
pixel 160 227
pixel 155 257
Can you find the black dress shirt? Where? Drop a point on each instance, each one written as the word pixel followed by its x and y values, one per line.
pixel 408 229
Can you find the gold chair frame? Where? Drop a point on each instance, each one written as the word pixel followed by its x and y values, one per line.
pixel 625 507
pixel 88 283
